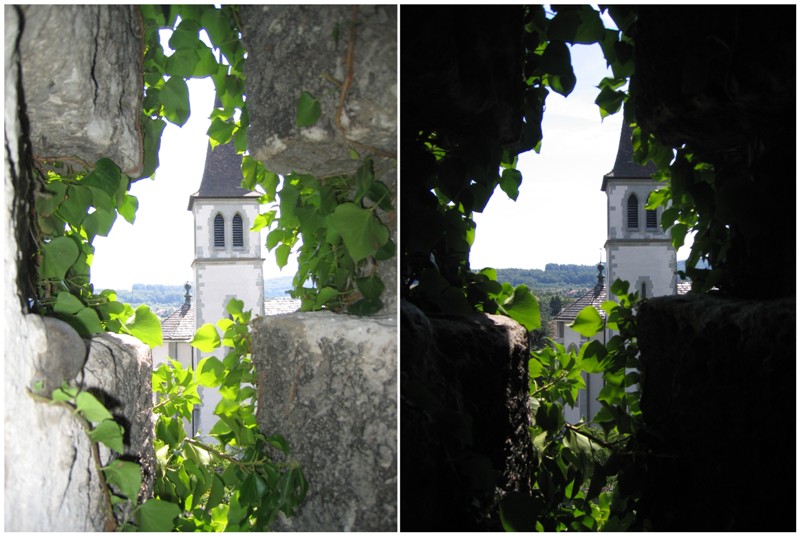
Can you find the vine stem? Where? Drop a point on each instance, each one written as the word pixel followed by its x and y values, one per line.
pixel 548 386
pixel 110 523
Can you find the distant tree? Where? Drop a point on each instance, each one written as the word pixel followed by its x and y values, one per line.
pixel 555 304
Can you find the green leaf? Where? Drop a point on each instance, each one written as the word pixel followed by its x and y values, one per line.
pixel 308 110
pixel 282 255
pixel 362 233
pixel 678 233
pixel 619 287
pixel 365 307
pixel 110 434
pixel 86 322
pixel 127 209
pixel 151 136
pixel 371 287
pixel 91 408
pixel 175 98
pixel 216 494
pixel 76 204
pixel 325 295
pixel 252 490
pixel 364 179
pixel 592 356
pixel 58 256
pixel 588 322
pixel 523 307
pixel 156 515
pixel 510 181
pixel 221 131
pixel 206 339
pixel 146 326
pixel 99 222
pixel 126 476
pixel 210 372
pixel 67 304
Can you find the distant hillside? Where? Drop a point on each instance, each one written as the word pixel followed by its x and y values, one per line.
pixel 554 276
pixel 163 299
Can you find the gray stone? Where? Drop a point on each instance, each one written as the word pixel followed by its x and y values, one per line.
pixel 328 383
pixel 294 49
pixel 119 372
pixel 64 356
pixel 465 419
pixel 82 80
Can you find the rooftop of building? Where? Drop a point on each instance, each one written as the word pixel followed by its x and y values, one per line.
pixel 222 175
pixel 624 166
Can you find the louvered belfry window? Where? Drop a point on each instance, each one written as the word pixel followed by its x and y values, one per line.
pixel 633 212
pixel 238 232
pixel 652 219
pixel 219 231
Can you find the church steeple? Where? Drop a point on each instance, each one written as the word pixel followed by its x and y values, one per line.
pixel 637 249
pixel 222 176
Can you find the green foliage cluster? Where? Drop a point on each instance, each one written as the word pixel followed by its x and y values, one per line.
pixel 579 467
pixel 334 225
pixel 238 483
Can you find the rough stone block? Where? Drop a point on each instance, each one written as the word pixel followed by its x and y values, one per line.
pixel 718 400
pixel 465 419
pixel 82 82
pixel 304 48
pixel 51 483
pixel 328 383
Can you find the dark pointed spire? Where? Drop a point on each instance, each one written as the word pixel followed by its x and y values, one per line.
pixel 624 165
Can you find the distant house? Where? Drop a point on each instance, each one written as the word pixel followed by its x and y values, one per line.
pixel 637 251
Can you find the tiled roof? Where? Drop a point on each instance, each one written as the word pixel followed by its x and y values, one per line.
pixel 594 297
pixel 624 165
pixel 222 175
pixel 684 287
pixel 179 326
pixel 280 306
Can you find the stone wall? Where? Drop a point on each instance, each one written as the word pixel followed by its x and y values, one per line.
pixel 464 432
pixel 719 403
pixel 328 383
pixel 50 479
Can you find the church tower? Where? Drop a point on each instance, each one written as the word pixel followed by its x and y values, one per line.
pixel 227 259
pixel 637 250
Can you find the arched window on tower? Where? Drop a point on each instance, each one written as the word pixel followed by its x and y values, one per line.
pixel 633 212
pixel 238 232
pixel 651 219
pixel 644 290
pixel 219 231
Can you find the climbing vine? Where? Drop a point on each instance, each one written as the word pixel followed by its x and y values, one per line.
pixel 244 479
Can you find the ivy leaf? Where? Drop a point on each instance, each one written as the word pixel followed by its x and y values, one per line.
pixel 67 304
pixel 325 295
pixel 151 137
pixel 364 179
pixel 146 326
pixel 509 183
pixel 58 256
pixel 588 322
pixel 76 204
pixel 175 98
pixel 365 307
pixel 282 255
pixel 109 433
pixel 220 131
pixel 609 101
pixel 156 515
pixel 92 409
pixel 206 339
pixel 308 110
pixel 99 222
pixel 210 372
pixel 127 209
pixel 182 63
pixel 371 287
pixel 523 307
pixel 361 231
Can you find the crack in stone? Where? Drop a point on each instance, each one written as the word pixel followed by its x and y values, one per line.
pixel 95 51
pixel 69 476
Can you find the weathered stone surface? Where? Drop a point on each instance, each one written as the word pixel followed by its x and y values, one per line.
pixel 50 471
pixel 328 383
pixel 118 371
pixel 718 399
pixel 82 82
pixel 304 48
pixel 465 419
